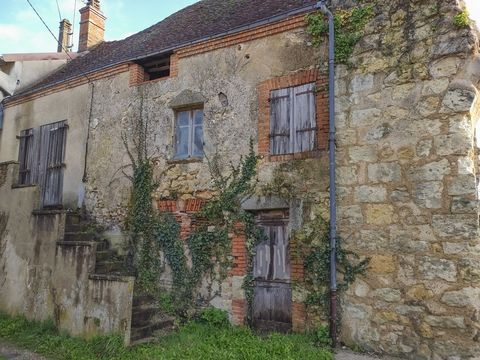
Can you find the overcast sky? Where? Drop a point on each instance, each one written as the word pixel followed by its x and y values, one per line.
pixel 22 31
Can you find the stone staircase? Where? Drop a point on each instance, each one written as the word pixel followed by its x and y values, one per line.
pixel 79 228
pixel 147 320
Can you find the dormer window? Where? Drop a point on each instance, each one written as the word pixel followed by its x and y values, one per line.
pixel 156 67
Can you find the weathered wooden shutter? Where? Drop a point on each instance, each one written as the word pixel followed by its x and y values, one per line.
pixel 280 121
pixel 25 157
pixel 305 124
pixel 197 133
pixel 52 149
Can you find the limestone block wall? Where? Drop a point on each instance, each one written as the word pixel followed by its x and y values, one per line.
pixel 407 186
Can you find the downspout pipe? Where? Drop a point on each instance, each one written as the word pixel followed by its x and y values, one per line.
pixel 322 7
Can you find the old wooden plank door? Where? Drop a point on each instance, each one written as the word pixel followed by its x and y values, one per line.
pixel 51 163
pixel 272 302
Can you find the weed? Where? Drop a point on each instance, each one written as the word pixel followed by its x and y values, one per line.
pixel 462 19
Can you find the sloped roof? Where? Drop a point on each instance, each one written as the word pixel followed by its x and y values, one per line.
pixel 202 20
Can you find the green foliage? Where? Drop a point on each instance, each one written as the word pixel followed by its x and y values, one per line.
pixel 168 241
pixel 322 337
pixel 167 303
pixel 209 245
pixel 214 317
pixel 142 223
pixel 193 341
pixel 315 250
pixel 349 29
pixel 462 19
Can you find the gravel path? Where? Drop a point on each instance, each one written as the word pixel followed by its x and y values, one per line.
pixel 11 352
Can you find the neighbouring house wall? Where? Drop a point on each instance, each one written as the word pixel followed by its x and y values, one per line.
pixel 18 75
pixel 72 105
pixel 407 109
pixel 44 278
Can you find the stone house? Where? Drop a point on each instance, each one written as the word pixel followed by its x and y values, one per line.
pixel 210 78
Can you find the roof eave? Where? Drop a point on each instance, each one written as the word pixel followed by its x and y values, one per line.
pixel 266 21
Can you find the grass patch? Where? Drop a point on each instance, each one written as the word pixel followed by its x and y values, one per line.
pixel 193 341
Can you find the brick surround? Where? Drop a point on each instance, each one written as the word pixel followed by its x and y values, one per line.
pixel 296 79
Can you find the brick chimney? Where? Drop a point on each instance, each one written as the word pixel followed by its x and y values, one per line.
pixel 64 36
pixel 92 25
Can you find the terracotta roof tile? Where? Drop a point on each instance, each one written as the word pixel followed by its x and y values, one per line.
pixel 204 19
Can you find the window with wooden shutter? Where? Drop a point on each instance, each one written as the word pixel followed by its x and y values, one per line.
pixel 26 157
pixel 189 134
pixel 293 124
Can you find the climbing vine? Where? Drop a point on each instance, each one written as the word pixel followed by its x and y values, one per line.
pixel 315 251
pixel 210 243
pixel 349 29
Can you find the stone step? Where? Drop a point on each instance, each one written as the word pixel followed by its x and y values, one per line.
pixel 138 333
pixel 142 341
pixel 80 227
pixel 143 300
pixel 105 255
pixel 75 219
pixel 103 245
pixel 110 267
pixel 143 317
pixel 78 236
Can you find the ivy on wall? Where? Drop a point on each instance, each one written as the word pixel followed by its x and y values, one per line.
pixel 209 245
pixel 349 29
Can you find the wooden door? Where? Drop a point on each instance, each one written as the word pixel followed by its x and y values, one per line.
pixel 272 302
pixel 51 163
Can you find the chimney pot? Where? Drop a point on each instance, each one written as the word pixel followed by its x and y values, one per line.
pixel 92 25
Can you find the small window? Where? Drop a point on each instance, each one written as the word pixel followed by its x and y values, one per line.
pixel 189 134
pixel 293 124
pixel 25 157
pixel 156 67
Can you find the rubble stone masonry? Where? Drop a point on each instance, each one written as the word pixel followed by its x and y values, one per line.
pixel 407 167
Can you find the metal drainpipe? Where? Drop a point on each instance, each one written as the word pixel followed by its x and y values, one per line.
pixel 322 7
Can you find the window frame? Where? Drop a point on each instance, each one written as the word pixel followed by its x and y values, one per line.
pixel 191 133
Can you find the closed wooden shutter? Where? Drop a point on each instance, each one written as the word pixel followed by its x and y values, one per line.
pixel 25 157
pixel 52 151
pixel 280 121
pixel 293 121
pixel 305 124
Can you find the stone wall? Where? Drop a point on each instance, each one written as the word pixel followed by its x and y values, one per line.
pixel 43 278
pixel 407 163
